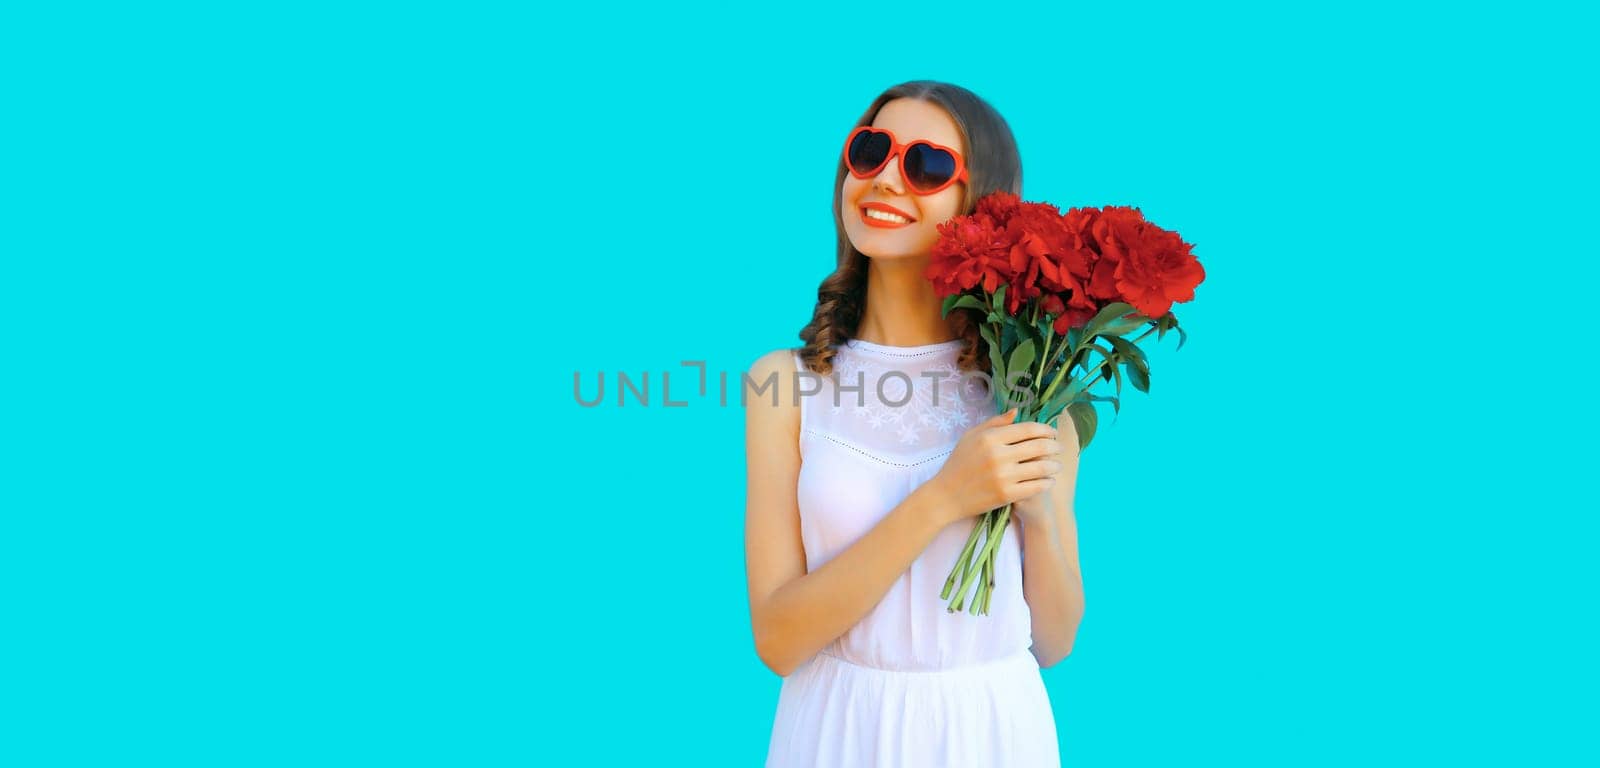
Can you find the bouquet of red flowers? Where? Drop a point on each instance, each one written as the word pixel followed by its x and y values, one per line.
pixel 1056 294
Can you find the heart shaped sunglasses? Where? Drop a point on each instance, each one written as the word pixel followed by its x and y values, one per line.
pixel 927 167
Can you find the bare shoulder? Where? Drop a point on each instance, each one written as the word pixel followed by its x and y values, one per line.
pixel 780 361
pixel 768 390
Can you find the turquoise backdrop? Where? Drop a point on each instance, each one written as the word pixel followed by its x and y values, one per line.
pixel 293 296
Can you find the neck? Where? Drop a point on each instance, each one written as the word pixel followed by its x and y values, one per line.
pixel 901 308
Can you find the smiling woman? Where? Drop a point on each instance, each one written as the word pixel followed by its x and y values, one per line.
pixel 859 500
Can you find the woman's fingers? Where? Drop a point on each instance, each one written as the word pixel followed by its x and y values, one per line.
pixel 1034 448
pixel 1000 419
pixel 1033 470
pixel 1029 488
pixel 1023 430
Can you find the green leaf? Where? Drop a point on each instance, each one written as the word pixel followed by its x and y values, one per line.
pixel 1116 404
pixel 961 301
pixel 1124 325
pixel 1084 356
pixel 1168 322
pixel 1115 319
pixel 1130 352
pixel 1053 408
pixel 996 360
pixel 1106 314
pixel 1117 373
pixel 1070 391
pixel 1024 330
pixel 1133 361
pixel 1022 357
pixel 1077 385
pixel 998 304
pixel 1164 324
pixel 1139 376
pixel 1085 419
pixel 1094 376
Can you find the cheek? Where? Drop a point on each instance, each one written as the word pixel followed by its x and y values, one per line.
pixel 943 206
pixel 851 191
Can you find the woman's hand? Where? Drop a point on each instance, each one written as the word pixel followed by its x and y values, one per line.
pixel 1036 509
pixel 996 463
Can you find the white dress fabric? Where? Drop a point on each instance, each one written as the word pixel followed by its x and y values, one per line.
pixel 911 684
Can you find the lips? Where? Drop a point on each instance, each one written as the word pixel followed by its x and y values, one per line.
pixel 886 208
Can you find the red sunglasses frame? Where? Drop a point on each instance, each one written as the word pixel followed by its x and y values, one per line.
pixel 897 149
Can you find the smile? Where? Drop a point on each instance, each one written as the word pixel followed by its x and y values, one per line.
pixel 878 217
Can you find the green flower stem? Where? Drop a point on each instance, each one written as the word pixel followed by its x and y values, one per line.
pixel 1050 390
pixel 983 568
pixel 1061 374
pixel 994 523
pixel 966 566
pixel 960 598
pixel 980 596
pixel 961 562
pixel 988 567
pixel 971 563
pixel 994 540
pixel 1044 359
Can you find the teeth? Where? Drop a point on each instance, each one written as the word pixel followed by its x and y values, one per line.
pixel 873 213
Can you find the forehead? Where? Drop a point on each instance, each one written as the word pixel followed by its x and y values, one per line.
pixel 911 119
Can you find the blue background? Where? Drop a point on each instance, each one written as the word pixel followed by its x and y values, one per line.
pixel 293 298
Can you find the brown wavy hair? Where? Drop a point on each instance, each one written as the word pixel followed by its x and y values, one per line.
pixel 993 163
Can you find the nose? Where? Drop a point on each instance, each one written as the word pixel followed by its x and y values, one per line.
pixel 888 180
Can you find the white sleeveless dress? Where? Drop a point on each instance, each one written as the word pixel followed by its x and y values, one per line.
pixel 910 685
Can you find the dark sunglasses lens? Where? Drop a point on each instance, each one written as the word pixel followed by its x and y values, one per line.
pixel 927 167
pixel 868 150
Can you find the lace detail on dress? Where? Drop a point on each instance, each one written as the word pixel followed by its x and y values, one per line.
pixel 900 406
pixel 876 457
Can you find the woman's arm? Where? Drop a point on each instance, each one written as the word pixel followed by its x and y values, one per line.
pixel 794 614
pixel 1052 582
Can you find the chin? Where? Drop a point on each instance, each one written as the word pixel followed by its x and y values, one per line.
pixel 879 251
pixel 890 256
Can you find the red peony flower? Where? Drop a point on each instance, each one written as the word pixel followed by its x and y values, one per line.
pixel 1080 310
pixel 1033 231
pixel 999 206
pixel 1033 250
pixel 970 250
pixel 1141 263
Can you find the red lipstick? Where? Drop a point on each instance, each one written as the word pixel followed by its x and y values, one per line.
pixel 886 208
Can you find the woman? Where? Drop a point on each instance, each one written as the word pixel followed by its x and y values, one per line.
pixel 871 450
